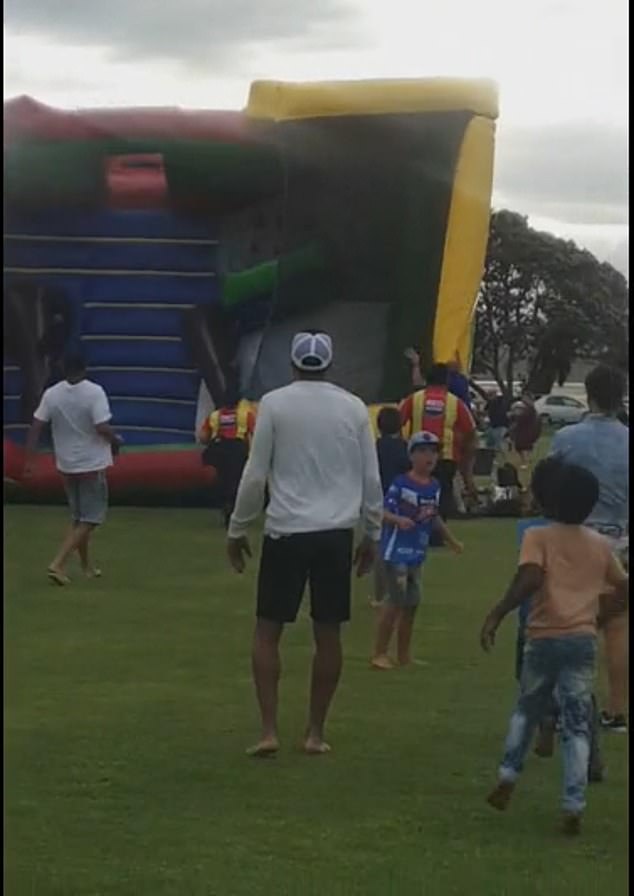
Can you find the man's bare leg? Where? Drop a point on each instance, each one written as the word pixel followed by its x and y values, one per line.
pixel 266 675
pixel 71 543
pixel 327 664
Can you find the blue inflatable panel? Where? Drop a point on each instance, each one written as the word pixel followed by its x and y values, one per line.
pixel 110 320
pixel 153 413
pixel 165 256
pixel 15 433
pixel 148 224
pixel 134 353
pixel 12 381
pixel 163 290
pixel 149 383
pixel 11 409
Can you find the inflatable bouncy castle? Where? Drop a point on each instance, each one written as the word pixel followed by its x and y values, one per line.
pixel 178 251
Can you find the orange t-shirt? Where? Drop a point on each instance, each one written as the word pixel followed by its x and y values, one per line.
pixel 578 567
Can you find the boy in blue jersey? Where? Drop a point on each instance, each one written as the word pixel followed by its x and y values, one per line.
pixel 410 516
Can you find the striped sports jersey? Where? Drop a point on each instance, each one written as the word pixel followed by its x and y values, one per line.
pixel 436 410
pixel 229 423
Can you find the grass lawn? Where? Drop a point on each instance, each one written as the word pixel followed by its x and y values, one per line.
pixel 128 706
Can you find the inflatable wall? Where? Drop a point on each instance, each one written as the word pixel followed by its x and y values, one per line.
pixel 178 252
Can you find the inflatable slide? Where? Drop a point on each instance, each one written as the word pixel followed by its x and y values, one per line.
pixel 178 251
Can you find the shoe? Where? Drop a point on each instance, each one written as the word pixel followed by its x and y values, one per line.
pixel 571 824
pixel 500 797
pixel 596 774
pixel 614 724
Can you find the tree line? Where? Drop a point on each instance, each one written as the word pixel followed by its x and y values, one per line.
pixel 543 304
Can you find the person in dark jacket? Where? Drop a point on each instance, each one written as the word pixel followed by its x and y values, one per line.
pixel 394 460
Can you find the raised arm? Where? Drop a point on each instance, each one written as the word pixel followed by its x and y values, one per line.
pixel 418 380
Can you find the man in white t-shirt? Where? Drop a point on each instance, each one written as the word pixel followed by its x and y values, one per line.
pixel 314 447
pixel 84 443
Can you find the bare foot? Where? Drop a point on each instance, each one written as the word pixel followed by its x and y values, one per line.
pixel 264 749
pixel 381 662
pixel 56 576
pixel 315 746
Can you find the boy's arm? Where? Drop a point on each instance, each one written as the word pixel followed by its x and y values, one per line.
pixel 527 581
pixel 448 537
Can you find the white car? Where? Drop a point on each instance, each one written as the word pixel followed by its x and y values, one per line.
pixel 560 409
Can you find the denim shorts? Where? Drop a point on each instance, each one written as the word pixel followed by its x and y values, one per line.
pixel 403 585
pixel 87 497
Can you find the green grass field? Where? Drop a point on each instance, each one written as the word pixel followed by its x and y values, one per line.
pixel 128 706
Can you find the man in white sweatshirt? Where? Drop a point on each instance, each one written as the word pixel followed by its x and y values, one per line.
pixel 313 447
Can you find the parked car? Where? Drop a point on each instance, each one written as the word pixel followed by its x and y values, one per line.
pixel 560 410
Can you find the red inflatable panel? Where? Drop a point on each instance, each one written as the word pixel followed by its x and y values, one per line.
pixel 136 181
pixel 26 119
pixel 167 472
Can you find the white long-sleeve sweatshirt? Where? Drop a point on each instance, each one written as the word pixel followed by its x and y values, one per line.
pixel 313 446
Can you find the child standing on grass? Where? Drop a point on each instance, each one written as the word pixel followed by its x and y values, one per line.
pixel 411 513
pixel 564 567
pixel 391 451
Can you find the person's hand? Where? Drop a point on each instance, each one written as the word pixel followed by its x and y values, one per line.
pixel 404 523
pixel 412 355
pixel 457 547
pixel 487 634
pixel 116 446
pixel 237 550
pixel 364 556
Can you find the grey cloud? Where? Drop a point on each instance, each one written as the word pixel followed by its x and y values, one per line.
pixel 212 33
pixel 576 173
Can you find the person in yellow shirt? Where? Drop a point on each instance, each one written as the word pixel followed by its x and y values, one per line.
pixel 227 434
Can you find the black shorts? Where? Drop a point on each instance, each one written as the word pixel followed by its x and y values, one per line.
pixel 321 559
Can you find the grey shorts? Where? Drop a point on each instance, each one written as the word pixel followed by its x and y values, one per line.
pixel 87 497
pixel 403 585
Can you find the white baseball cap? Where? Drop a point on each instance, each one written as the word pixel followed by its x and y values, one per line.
pixel 311 351
pixel 423 440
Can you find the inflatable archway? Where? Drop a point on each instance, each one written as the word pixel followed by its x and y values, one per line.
pixel 178 250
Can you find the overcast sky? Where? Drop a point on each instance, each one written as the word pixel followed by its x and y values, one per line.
pixel 561 67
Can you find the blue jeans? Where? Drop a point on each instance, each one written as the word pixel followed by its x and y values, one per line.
pixel 567 664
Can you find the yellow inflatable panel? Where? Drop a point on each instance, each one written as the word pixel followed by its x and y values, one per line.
pixel 287 101
pixel 465 243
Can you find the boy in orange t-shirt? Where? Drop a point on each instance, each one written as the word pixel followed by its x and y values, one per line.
pixel 564 567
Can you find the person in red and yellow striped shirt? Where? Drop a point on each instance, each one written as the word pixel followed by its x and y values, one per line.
pixel 227 433
pixel 435 409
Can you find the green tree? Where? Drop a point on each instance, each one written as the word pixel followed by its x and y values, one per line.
pixel 543 303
